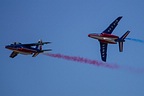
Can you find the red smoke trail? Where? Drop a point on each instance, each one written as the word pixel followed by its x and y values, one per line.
pixel 95 62
pixel 133 69
pixel 83 60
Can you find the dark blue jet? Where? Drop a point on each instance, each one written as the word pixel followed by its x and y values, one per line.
pixel 27 49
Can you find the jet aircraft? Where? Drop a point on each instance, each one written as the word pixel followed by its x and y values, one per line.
pixel 27 49
pixel 106 38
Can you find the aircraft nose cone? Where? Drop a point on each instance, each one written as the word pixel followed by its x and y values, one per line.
pixel 7 47
pixel 89 35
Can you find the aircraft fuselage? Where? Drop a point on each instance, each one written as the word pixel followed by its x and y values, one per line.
pixel 105 38
pixel 22 50
pixel 26 49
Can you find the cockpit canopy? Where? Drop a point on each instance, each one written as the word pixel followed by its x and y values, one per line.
pixel 15 43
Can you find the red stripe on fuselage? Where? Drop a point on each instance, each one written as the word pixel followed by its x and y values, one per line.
pixel 108 35
pixel 25 50
pixel 105 38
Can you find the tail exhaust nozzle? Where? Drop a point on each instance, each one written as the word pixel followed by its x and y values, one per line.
pixel 121 40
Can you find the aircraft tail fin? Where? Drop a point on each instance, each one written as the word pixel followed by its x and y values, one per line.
pixel 40 45
pixel 121 40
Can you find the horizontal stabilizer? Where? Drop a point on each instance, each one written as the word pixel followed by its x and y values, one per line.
pixel 35 54
pixel 121 40
pixel 47 50
pixel 125 35
pixel 120 46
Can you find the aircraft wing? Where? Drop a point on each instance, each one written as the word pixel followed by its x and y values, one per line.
pixel 103 50
pixel 112 26
pixel 46 50
pixel 13 54
pixel 34 44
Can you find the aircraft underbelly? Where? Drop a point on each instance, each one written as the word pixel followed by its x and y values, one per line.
pixel 106 39
pixel 27 52
pixel 109 40
pixel 24 51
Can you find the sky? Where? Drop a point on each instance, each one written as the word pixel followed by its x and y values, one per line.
pixel 67 23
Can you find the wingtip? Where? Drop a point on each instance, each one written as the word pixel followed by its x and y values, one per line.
pixel 120 16
pixel 49 42
pixel 46 42
pixel 104 60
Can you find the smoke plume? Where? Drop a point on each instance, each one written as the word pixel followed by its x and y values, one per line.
pixel 136 40
pixel 83 60
pixel 95 62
